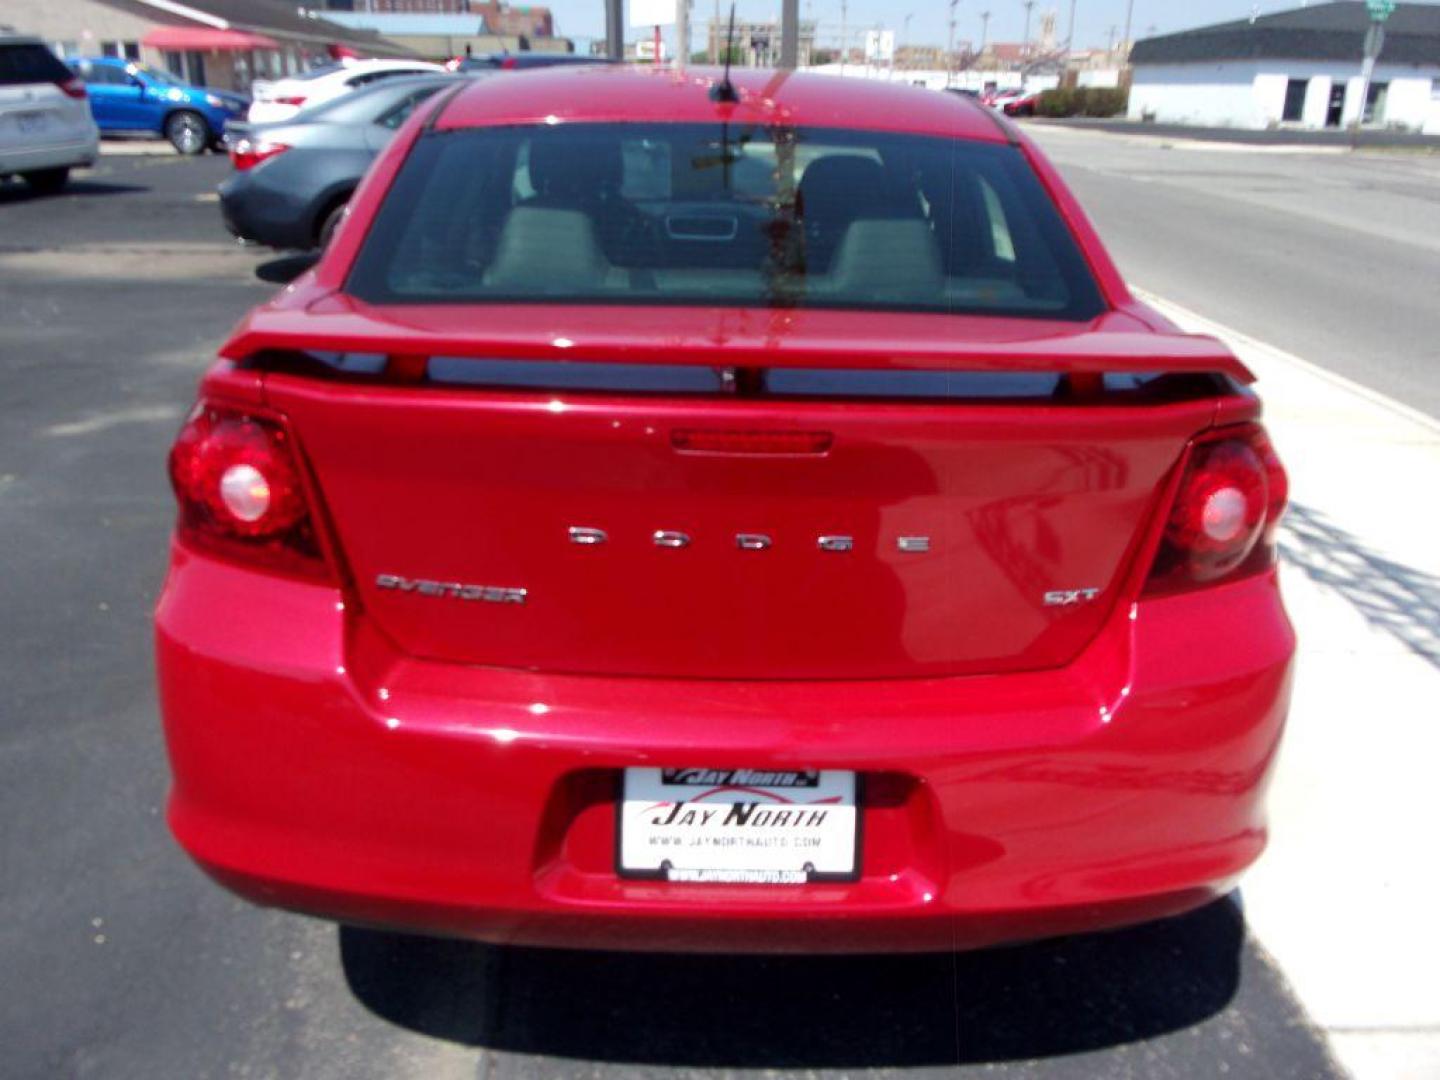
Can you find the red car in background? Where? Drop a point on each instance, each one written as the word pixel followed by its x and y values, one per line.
pixel 683 515
pixel 1023 105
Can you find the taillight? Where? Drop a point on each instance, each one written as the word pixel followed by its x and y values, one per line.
pixel 247 153
pixel 292 100
pixel 1222 524
pixel 241 493
pixel 73 87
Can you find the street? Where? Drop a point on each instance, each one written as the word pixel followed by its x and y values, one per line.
pixel 1329 256
pixel 123 960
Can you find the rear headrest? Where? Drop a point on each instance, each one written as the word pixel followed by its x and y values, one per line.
pixel 547 250
pixel 888 259
pixel 846 186
pixel 574 166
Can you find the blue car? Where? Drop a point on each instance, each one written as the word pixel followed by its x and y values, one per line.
pixel 133 97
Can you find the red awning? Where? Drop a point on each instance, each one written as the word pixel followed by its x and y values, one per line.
pixel 206 39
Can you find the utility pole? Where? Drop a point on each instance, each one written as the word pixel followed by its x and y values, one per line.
pixel 1129 14
pixel 950 47
pixel 682 33
pixel 790 34
pixel 844 35
pixel 615 29
pixel 1025 45
pixel 984 30
pixel 1070 34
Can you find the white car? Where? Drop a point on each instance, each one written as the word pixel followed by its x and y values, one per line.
pixel 45 123
pixel 283 98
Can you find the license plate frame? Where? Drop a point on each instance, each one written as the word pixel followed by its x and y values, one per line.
pixel 655 841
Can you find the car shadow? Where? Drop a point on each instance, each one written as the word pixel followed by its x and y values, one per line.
pixel 1401 600
pixel 1022 1002
pixel 17 191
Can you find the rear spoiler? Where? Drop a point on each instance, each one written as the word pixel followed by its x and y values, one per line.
pixel 729 337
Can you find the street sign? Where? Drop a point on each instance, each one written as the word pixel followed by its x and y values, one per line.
pixel 879 46
pixel 647 13
pixel 1380 10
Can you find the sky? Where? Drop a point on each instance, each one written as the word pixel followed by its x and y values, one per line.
pixel 583 19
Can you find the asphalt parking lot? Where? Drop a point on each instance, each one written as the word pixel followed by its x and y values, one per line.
pixel 122 960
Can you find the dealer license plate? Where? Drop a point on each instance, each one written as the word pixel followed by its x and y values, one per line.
pixel 739 826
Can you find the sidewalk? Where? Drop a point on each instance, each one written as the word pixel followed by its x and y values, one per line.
pixel 1346 898
pixel 136 147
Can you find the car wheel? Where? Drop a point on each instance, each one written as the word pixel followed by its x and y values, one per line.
pixel 47 181
pixel 188 132
pixel 331 223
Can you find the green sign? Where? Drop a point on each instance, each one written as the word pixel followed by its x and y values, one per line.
pixel 1380 10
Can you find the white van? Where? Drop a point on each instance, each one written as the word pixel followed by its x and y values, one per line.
pixel 45 123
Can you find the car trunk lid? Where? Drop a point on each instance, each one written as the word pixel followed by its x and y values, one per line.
pixel 849 508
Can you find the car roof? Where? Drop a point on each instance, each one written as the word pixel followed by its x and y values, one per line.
pixel 607 93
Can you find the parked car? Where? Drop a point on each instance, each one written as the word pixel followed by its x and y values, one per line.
pixel 1024 105
pixel 587 553
pixel 45 125
pixel 283 98
pixel 998 99
pixel 293 179
pixel 126 96
pixel 521 61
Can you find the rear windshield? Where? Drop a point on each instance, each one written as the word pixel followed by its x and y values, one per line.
pixel 30 63
pixel 364 105
pixel 317 72
pixel 717 215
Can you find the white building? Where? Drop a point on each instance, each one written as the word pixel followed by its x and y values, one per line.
pixel 1298 68
pixel 939 79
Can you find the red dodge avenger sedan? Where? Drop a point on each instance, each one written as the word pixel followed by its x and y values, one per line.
pixel 684 515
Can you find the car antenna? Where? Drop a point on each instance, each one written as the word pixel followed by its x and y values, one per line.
pixel 724 90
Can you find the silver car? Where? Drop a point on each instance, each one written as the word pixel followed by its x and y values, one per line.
pixel 45 124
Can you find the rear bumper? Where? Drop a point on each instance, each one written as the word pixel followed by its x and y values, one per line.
pixel 316 769
pixel 73 153
pixel 268 214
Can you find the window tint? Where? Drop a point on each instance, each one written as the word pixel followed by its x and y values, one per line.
pixel 401 112
pixel 101 74
pixel 164 78
pixel 709 214
pixel 376 76
pixel 318 72
pixel 30 63
pixel 367 105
